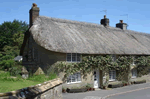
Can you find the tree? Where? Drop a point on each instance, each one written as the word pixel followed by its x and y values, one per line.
pixel 11 39
pixel 8 29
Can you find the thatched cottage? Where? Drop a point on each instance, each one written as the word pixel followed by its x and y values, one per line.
pixel 49 40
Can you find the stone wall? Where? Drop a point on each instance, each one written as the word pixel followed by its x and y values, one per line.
pixel 48 90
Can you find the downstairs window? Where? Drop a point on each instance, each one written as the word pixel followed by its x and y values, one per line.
pixel 112 75
pixel 75 78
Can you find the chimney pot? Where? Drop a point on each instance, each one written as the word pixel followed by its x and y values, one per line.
pixel 104 16
pixel 121 21
pixel 34 5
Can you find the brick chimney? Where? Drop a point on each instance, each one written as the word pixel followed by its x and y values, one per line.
pixel 121 25
pixel 105 21
pixel 34 13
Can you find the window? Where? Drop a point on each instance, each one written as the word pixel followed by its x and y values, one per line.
pixel 75 78
pixel 112 75
pixel 73 57
pixel 114 57
pixel 133 63
pixel 134 73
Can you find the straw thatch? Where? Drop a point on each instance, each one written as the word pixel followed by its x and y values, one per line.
pixel 79 37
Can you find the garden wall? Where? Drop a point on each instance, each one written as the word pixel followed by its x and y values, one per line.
pixel 48 90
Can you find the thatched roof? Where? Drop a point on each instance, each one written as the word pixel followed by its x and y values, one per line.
pixel 67 36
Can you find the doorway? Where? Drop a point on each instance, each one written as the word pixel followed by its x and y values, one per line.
pixel 96 79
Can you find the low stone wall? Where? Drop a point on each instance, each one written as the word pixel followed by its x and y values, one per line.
pixel 48 90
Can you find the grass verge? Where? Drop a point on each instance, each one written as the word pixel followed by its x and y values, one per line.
pixel 8 83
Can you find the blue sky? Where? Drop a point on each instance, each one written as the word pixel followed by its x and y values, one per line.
pixel 82 10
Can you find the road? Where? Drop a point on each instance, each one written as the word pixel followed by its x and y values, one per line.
pixel 141 94
pixel 98 94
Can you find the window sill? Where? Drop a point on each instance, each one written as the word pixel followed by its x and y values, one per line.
pixel 112 80
pixel 74 82
pixel 133 77
pixel 73 62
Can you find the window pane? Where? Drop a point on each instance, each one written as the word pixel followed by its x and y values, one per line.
pixel 73 78
pixel 69 79
pixel 78 77
pixel 78 57
pixel 112 74
pixel 74 57
pixel 69 57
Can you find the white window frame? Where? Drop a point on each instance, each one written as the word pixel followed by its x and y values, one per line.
pixel 134 71
pixel 76 79
pixel 112 73
pixel 72 56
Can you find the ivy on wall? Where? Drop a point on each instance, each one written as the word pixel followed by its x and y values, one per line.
pixel 105 63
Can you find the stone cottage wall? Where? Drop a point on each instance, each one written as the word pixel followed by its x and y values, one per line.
pixel 48 90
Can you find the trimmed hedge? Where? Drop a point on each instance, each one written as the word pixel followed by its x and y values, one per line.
pixel 115 85
pixel 76 90
pixel 140 81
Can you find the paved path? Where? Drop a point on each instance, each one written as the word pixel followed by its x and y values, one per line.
pixel 141 94
pixel 98 94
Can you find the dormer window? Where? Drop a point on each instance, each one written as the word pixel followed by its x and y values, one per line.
pixel 73 57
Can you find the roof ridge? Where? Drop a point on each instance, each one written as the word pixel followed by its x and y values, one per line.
pixel 72 21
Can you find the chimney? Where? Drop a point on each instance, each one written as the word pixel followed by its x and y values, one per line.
pixel 34 13
pixel 105 21
pixel 121 25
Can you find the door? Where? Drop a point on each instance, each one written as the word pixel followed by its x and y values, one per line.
pixel 96 79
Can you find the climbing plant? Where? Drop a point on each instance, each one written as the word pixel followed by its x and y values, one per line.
pixel 143 65
pixel 104 63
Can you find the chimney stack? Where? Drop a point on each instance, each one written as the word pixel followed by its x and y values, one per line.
pixel 34 13
pixel 121 25
pixel 105 21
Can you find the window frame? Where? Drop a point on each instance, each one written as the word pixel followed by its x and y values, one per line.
pixel 111 71
pixel 75 57
pixel 76 79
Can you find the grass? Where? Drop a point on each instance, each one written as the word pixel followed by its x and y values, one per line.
pixel 10 84
pixel 6 86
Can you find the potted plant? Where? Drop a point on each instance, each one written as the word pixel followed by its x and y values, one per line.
pixel 104 85
pixel 89 87
pixel 124 83
pixel 63 90
pixel 93 89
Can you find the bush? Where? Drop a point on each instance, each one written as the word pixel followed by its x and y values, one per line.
pixel 5 76
pixel 139 81
pixel 115 84
pixel 42 77
pixel 16 70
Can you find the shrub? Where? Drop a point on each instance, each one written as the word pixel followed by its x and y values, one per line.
pixel 115 84
pixel 139 81
pixel 16 70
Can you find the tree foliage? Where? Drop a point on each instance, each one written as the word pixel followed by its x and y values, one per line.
pixel 8 29
pixel 11 39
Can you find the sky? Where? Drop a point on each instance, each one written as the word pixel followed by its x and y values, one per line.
pixel 136 13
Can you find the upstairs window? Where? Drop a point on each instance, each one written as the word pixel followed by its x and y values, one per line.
pixel 114 57
pixel 73 57
pixel 134 62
